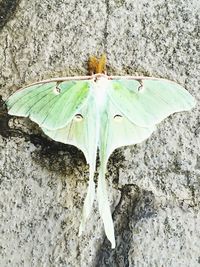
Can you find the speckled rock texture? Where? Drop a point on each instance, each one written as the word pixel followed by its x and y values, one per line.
pixel 154 187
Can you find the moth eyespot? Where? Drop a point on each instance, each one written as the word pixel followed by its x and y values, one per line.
pixel 78 117
pixel 118 118
pixel 56 90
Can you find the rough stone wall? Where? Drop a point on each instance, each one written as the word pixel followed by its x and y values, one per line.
pixel 154 186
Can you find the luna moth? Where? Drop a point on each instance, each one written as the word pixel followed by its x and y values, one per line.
pixel 99 112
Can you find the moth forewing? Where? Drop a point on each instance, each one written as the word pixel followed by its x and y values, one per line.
pixel 99 110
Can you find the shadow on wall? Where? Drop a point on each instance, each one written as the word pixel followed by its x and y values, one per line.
pixel 7 11
pixel 49 154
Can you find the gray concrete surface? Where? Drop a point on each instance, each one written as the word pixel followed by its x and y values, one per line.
pixel 154 186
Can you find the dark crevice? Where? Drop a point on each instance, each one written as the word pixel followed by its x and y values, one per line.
pixel 4 119
pixel 122 214
pixel 134 206
pixel 105 41
pixel 7 11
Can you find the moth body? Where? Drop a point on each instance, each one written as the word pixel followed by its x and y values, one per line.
pixel 100 92
pixel 99 111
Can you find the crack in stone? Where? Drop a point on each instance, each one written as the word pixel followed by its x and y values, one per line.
pixel 15 65
pixel 119 256
pixel 147 203
pixel 4 119
pixel 105 31
pixel 4 50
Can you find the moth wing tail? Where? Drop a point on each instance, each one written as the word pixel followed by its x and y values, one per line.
pixel 88 203
pixel 104 207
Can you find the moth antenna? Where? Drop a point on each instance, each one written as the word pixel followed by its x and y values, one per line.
pixel 101 67
pixel 92 65
pixel 97 65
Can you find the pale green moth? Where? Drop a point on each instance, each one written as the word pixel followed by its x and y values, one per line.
pixel 99 112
